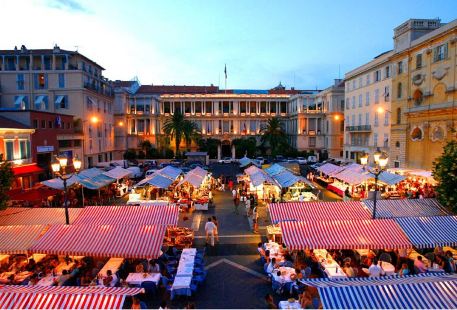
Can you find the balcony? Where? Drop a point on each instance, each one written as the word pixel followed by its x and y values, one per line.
pixel 361 128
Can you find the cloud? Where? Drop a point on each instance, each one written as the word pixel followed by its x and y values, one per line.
pixel 68 5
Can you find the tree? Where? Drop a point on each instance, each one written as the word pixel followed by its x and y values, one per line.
pixel 209 145
pixel 274 136
pixel 130 154
pixel 190 133
pixel 6 179
pixel 445 172
pixel 244 147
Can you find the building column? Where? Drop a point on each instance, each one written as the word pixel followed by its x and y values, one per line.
pixel 219 151
pixel 233 152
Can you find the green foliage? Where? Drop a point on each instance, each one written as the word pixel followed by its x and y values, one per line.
pixel 209 145
pixel 6 179
pixel 168 153
pixel 141 154
pixel 274 137
pixel 178 128
pixel 130 154
pixel 246 146
pixel 445 172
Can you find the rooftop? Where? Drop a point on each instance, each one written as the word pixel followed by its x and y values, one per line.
pixel 177 89
pixel 10 124
pixel 226 96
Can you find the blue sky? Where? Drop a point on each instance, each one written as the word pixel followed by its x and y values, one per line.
pixel 301 43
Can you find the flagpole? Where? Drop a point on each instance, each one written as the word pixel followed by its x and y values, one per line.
pixel 225 73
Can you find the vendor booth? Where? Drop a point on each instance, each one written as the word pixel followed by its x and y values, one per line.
pixel 406 208
pixel 37 216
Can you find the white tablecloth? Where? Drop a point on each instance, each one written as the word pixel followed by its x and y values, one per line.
pixel 284 304
pixel 47 281
pixel 333 270
pixel 320 254
pixel 201 206
pixel 389 269
pixel 112 264
pixel 185 269
pixel 286 273
pixel 274 248
pixel 135 278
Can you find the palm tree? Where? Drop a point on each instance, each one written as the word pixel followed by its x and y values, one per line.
pixel 190 132
pixel 274 135
pixel 174 128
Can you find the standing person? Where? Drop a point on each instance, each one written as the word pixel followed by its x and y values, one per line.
pixel 346 196
pixel 230 184
pixel 216 230
pixel 209 230
pixel 235 200
pixel 247 206
pixel 255 218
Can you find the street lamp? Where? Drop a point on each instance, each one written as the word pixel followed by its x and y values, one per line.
pixel 59 167
pixel 380 160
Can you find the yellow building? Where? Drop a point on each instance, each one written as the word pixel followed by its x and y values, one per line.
pixel 424 109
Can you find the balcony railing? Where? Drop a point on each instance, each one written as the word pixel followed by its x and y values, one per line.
pixel 360 128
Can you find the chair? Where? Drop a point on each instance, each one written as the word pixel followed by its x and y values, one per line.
pixel 199 279
pixel 150 288
pixel 276 286
pixel 171 269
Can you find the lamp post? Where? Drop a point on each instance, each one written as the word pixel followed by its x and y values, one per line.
pixel 381 162
pixel 59 167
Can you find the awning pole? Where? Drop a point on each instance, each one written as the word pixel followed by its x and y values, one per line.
pixel 82 192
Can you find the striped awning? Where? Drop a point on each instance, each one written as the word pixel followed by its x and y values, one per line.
pixel 37 216
pixel 258 176
pixel 414 292
pixel 352 176
pixel 275 169
pixel 17 239
pixel 406 208
pixel 57 183
pixel 64 297
pixel 329 169
pixel 344 234
pixel 317 211
pixel 127 241
pixel 429 232
pixel 152 214
pixel 159 181
pixel 194 177
pixel 389 178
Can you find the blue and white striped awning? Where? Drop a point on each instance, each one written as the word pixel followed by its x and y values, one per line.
pixel 429 232
pixel 414 292
pixel 389 178
pixel 159 181
pixel 406 208
pixel 287 179
pixel 170 172
pixel 275 169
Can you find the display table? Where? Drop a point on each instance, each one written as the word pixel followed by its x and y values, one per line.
pixel 181 286
pixel 201 206
pixel 333 270
pixel 134 199
pixel 136 278
pixel 286 273
pixel 285 304
pixel 112 264
pixel 337 190
pixel 274 233
pixel 322 182
pixel 274 249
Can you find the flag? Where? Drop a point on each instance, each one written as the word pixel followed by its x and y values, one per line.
pixel 58 121
pixel 225 71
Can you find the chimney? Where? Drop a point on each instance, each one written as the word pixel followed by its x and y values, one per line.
pixel 23 48
pixel 56 49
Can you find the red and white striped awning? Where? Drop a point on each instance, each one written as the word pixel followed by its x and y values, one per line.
pixel 127 241
pixel 316 211
pixel 344 234
pixel 160 214
pixel 36 216
pixel 17 239
pixel 64 297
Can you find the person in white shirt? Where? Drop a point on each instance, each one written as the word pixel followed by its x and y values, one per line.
pixel 210 227
pixel 271 266
pixel 301 198
pixel 375 270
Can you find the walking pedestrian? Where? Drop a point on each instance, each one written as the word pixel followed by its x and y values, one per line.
pixel 209 230
pixel 216 231
pixel 235 200
pixel 230 184
pixel 247 205
pixel 255 219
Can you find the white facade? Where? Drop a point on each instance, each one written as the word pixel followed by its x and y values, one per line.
pixel 368 92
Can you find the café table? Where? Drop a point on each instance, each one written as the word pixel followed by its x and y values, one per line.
pixel 389 269
pixel 287 272
pixel 285 304
pixel 181 286
pixel 333 270
pixel 136 278
pixel 320 254
pixel 274 233
pixel 275 251
pixel 112 264
pixel 414 254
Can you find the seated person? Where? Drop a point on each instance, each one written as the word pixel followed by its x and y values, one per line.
pixel 270 267
pixel 278 277
pixel 288 262
pixel 139 268
pixel 348 270
pixel 404 271
pixel 305 270
pixel 419 265
pixel 63 278
pixel 375 270
pixel 110 280
pixel 153 267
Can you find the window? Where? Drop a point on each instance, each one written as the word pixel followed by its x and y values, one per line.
pixel 41 81
pixel 61 102
pixel 347 103
pixel 387 71
pixel 353 102
pixel 43 124
pixel 243 107
pixel 35 123
pixel 226 107
pixel 376 96
pixel 399 90
pixel 375 139
pixel 386 93
pixel 50 124
pixel 21 102
pixel 312 141
pixel 377 75
pixel 41 102
pixel 353 84
pixel 20 81
pixel 209 126
pixel 418 61
pixel 187 107
pixel 353 120
pixel 252 126
pixel 209 107
pixel 400 67
pixel 396 164
pixel 61 80
pixel 283 107
pixel 166 107
pixel 360 101
pixel 440 52
pixel 367 118
pixel 367 98
pixel 9 148
pixel 77 143
pixel 198 107
pixel 386 118
pixel 397 144
pixel 90 104
pixel 360 120
pixel 376 119
pixel 398 116
pixel 24 146
pixel 368 79
pixel 360 82
pixel 263 107
pixel 386 140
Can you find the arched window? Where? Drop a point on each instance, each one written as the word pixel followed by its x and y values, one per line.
pixel 399 90
pixel 397 144
pixel 398 116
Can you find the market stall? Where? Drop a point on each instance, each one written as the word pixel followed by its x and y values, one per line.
pixel 37 216
pixel 179 237
pixel 195 186
pixel 344 234
pixel 61 297
pixel 294 187
pixel 261 183
pixel 17 239
pixel 160 213
pixel 423 291
pixel 406 208
pixel 128 241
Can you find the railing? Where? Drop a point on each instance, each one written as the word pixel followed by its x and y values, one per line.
pixel 359 128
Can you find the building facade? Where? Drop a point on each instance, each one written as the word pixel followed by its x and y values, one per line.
pixel 367 111
pixel 62 82
pixel 424 91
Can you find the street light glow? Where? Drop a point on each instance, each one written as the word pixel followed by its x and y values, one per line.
pixel 94 119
